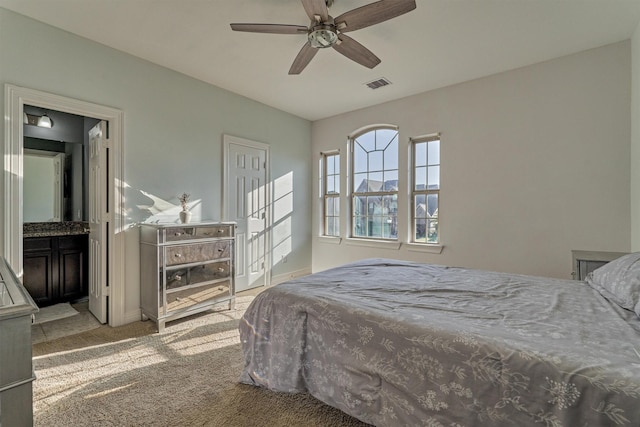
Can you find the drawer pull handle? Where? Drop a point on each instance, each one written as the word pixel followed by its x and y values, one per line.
pixel 178 255
pixel 221 270
pixel 177 233
pixel 220 250
pixel 220 230
pixel 178 277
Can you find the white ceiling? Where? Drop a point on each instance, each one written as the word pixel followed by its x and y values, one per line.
pixel 441 43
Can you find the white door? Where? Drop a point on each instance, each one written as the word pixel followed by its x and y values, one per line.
pixel 246 200
pixel 99 222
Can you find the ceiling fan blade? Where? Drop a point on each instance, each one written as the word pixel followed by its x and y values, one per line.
pixel 372 14
pixel 305 55
pixel 270 28
pixel 316 7
pixel 356 52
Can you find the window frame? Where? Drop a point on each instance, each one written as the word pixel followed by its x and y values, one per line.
pixel 325 196
pixel 352 194
pixel 413 192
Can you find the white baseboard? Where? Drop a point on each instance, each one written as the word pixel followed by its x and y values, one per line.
pixel 131 316
pixel 281 278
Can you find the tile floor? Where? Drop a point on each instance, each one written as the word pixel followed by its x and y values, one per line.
pixel 81 322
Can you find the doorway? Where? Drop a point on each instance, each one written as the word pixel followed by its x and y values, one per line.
pixel 246 199
pixel 111 281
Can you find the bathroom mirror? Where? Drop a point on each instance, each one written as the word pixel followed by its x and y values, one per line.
pixel 52 181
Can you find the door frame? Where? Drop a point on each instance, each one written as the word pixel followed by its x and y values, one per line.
pixel 227 140
pixel 12 236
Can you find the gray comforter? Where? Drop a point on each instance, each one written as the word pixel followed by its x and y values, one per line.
pixel 396 343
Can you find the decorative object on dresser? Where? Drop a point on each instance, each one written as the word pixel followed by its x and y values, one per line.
pixel 185 269
pixel 16 369
pixel 584 262
pixel 185 214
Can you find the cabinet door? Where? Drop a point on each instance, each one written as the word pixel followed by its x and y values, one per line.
pixel 39 268
pixel 72 261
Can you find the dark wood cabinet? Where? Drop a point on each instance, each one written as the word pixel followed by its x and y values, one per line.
pixel 55 268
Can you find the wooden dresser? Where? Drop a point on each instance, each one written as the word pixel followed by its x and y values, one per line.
pixel 185 269
pixel 16 368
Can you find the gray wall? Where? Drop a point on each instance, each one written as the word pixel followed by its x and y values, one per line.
pixel 173 127
pixel 535 163
pixel 635 140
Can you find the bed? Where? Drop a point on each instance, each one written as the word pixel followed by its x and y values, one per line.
pixel 396 343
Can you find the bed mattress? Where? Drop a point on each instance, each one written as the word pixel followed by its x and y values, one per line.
pixel 397 343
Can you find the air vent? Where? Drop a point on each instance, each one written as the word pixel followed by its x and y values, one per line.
pixel 376 84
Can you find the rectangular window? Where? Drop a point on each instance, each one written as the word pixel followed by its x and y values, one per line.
pixel 425 188
pixel 374 199
pixel 331 193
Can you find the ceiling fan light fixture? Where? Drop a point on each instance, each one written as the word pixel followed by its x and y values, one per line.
pixel 323 36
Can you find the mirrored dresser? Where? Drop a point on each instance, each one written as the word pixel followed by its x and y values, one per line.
pixel 16 368
pixel 185 269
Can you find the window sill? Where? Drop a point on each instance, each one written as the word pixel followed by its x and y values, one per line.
pixel 395 245
pixel 424 247
pixel 330 240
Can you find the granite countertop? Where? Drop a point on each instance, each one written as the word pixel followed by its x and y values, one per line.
pixel 49 229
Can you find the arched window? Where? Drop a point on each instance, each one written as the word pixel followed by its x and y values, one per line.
pixel 374 195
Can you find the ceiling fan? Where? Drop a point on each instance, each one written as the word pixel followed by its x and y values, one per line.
pixel 326 31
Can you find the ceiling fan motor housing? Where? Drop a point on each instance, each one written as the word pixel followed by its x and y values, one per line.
pixel 323 36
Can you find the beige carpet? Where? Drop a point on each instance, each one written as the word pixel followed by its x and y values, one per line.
pixel 186 376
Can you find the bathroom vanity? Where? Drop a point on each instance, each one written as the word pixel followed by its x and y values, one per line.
pixel 56 261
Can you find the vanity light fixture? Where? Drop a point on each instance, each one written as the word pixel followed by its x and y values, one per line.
pixel 43 121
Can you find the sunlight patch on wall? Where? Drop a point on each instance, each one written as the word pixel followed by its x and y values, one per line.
pixel 142 206
pixel 282 217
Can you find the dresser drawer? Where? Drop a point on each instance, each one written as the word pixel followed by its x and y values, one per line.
pixel 197 252
pixel 215 231
pixel 183 299
pixel 176 278
pixel 176 234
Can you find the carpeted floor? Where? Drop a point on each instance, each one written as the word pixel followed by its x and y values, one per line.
pixel 186 376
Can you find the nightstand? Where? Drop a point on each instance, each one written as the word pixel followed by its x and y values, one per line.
pixel 584 262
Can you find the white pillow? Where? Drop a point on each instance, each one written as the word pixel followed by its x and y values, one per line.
pixel 619 281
